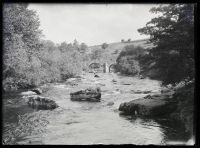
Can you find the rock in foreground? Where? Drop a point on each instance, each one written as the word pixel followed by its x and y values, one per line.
pixel 40 102
pixel 91 95
pixel 149 107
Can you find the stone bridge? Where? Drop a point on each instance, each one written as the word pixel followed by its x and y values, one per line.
pixel 105 67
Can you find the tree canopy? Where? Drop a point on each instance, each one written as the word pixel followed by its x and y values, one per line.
pixel 172 33
pixel 27 59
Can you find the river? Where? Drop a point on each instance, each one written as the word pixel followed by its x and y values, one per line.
pixel 83 123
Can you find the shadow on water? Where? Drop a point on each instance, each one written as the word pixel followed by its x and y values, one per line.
pixel 173 130
pixel 14 105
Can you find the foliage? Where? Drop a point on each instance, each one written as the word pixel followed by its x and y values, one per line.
pixel 29 61
pixel 172 33
pixel 127 61
pixel 20 42
pixel 185 106
pixel 96 54
pixel 104 45
pixel 135 51
pixel 83 48
pixel 128 65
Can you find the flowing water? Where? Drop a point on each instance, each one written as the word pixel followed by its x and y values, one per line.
pixel 81 123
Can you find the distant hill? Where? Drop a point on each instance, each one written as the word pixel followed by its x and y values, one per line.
pixel 113 50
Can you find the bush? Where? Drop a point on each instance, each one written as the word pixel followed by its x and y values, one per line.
pixel 104 45
pixel 128 65
pixel 128 59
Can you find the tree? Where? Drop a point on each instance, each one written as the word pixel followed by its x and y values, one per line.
pixel 21 37
pixel 172 33
pixel 104 45
pixel 83 48
pixel 127 61
pixel 135 51
pixel 96 54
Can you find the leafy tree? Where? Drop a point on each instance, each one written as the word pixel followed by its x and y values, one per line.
pixel 76 44
pixel 127 61
pixel 172 33
pixel 128 65
pixel 104 45
pixel 135 51
pixel 20 41
pixel 96 54
pixel 83 48
pixel 63 47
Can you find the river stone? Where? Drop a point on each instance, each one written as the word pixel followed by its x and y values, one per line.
pixel 148 97
pixel 37 91
pixel 141 92
pixel 96 76
pixel 40 102
pixel 110 103
pixel 114 80
pixel 141 77
pixel 148 107
pixel 91 95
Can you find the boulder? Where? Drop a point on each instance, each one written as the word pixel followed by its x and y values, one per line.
pixel 91 95
pixel 40 102
pixel 114 80
pixel 37 91
pixel 148 97
pixel 141 77
pixel 96 76
pixel 148 107
pixel 110 103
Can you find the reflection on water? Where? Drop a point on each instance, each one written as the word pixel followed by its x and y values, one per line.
pixel 92 122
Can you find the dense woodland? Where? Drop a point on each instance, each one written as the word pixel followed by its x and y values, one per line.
pixel 28 60
pixel 172 34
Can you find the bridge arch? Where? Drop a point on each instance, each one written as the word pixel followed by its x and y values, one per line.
pixel 112 67
pixel 94 65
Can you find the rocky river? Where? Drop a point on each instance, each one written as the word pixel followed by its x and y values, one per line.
pixel 83 123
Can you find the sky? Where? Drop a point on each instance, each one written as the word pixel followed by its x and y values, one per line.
pixel 92 24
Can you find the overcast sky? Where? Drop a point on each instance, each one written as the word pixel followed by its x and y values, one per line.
pixel 92 24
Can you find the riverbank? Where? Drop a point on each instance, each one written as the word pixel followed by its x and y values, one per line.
pixel 176 102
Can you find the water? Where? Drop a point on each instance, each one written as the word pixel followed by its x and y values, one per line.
pixel 81 123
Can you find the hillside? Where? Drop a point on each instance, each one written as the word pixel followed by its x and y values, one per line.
pixel 110 54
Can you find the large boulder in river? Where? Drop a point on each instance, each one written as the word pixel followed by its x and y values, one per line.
pixel 91 95
pixel 40 102
pixel 156 106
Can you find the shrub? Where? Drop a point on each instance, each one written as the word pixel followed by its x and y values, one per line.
pixel 104 45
